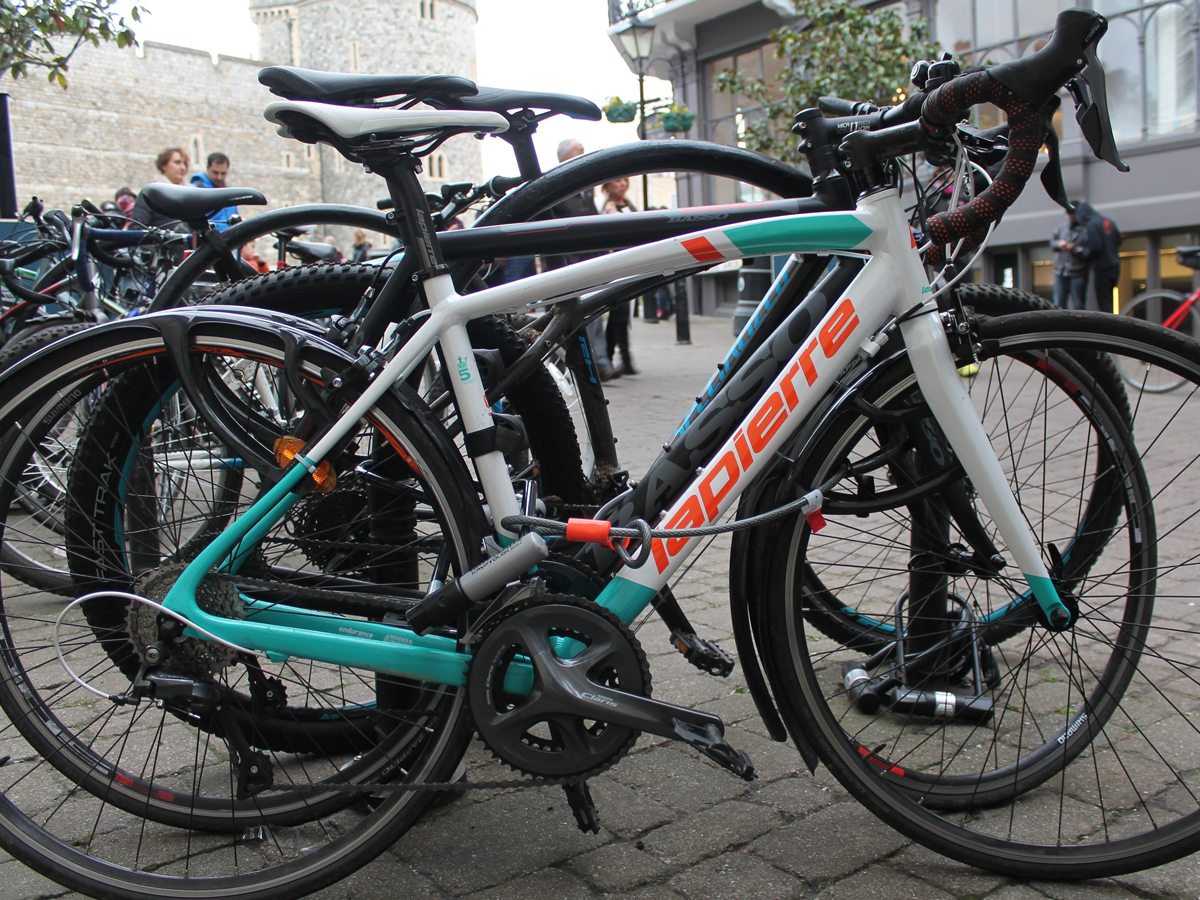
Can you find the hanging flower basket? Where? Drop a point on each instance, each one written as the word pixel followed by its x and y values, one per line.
pixel 677 121
pixel 619 110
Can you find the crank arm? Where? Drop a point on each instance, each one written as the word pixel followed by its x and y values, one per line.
pixel 702 730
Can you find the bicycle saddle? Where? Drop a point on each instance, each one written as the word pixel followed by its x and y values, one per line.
pixel 350 89
pixel 296 118
pixel 316 249
pixel 1188 256
pixel 502 101
pixel 189 204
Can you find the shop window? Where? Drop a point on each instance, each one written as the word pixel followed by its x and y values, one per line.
pixel 1174 276
pixel 1041 261
pixel 1133 269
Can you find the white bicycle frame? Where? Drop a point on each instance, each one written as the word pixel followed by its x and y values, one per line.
pixel 891 284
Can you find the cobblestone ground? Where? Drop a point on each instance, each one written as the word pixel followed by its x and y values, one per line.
pixel 674 825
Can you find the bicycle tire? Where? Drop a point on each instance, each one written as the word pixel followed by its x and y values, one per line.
pixel 1087 766
pixel 313 291
pixel 44 489
pixel 1156 307
pixel 833 618
pixel 157 805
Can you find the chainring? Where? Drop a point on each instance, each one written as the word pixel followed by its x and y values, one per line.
pixel 531 732
pixel 194 658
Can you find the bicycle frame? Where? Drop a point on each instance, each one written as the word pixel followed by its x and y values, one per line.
pixel 892 284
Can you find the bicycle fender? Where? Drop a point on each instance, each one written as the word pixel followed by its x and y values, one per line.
pixel 170 331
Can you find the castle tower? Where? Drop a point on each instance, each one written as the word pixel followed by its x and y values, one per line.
pixel 377 37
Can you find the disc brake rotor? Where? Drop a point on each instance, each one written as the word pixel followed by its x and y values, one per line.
pixel 523 714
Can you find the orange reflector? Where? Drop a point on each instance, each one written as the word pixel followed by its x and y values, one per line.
pixel 324 478
pixel 288 448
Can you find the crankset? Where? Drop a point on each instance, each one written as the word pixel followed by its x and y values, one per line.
pixel 560 687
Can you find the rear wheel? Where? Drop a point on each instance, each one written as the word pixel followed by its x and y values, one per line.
pixel 42 492
pixel 160 812
pixel 1069 754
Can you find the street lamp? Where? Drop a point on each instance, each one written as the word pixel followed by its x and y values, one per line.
pixel 636 39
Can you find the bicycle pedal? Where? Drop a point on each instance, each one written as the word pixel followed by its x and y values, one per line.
pixel 579 796
pixel 704 655
pixel 709 740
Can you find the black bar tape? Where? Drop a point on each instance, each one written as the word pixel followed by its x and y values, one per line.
pixel 945 106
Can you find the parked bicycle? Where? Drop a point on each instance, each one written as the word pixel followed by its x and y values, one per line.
pixel 978 658
pixel 1170 309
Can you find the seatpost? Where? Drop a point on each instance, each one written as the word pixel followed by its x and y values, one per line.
pixel 519 136
pixel 411 210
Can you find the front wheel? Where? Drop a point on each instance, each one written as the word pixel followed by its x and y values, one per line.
pixel 1159 308
pixel 989 737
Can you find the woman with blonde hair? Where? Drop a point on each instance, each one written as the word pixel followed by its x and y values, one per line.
pixel 361 247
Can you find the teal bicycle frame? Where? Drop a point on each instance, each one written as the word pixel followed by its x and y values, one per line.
pixel 892 285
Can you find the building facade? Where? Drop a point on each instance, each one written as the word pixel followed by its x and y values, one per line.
pixel 1151 57
pixel 104 131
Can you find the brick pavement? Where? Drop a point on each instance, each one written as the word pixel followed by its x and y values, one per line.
pixel 674 825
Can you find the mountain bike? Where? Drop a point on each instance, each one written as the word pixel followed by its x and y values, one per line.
pixel 1170 309
pixel 188 768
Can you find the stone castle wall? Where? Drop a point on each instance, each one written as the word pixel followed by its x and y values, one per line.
pixel 104 131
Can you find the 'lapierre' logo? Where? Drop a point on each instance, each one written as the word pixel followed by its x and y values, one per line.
pixel 702 504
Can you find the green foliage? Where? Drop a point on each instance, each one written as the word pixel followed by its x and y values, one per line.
pixel 44 34
pixel 842 51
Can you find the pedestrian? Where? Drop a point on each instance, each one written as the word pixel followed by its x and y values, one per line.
pixel 1104 256
pixel 124 200
pixel 337 254
pixel 172 165
pixel 615 199
pixel 582 204
pixel 1070 263
pixel 362 247
pixel 616 334
pixel 215 175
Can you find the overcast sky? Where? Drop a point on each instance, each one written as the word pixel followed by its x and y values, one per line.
pixel 553 45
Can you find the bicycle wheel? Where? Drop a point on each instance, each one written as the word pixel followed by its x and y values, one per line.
pixel 137 801
pixel 323 290
pixel 43 489
pixel 856 626
pixel 1158 308
pixel 1072 754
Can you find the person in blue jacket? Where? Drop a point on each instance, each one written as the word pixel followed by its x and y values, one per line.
pixel 214 175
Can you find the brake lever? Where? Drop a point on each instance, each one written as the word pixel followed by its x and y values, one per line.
pixel 1090 94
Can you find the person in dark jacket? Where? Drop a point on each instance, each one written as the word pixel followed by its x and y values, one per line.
pixel 582 204
pixel 1070 264
pixel 1103 252
pixel 172 165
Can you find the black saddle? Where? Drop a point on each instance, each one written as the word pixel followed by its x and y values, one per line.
pixel 502 101
pixel 348 89
pixel 317 251
pixel 193 204
pixel 1188 256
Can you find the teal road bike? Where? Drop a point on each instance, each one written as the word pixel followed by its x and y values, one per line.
pixel 967 597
